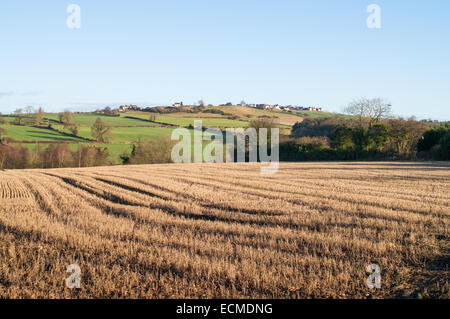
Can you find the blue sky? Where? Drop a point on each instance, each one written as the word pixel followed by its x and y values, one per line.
pixel 310 53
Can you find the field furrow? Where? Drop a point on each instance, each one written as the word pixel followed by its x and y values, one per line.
pixel 226 231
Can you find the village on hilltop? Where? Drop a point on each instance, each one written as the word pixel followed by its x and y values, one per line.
pixel 274 107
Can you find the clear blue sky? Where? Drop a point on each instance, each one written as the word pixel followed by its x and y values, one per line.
pixel 311 53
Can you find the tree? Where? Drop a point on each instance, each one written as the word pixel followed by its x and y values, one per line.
pixel 101 131
pixel 432 137
pixel 3 133
pixel 362 139
pixel 153 152
pixel 74 129
pixel 316 127
pixel 19 116
pixel 87 156
pixel 57 156
pixel 66 118
pixel 3 155
pixel 404 136
pixel 152 118
pixel 263 123
pixel 2 120
pixel 267 123
pixel 369 111
pixel 379 134
pixel 311 144
pixel 201 103
pixel 341 138
pixel 38 116
pixel 29 110
pixel 445 146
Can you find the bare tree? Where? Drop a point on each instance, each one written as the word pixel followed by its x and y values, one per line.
pixel 2 133
pixel 74 129
pixel 2 120
pixel 101 131
pixel 369 110
pixel 263 123
pixel 19 115
pixel 153 152
pixel 66 118
pixel 38 116
pixel 29 110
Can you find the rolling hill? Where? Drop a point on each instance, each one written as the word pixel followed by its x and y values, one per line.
pixel 134 125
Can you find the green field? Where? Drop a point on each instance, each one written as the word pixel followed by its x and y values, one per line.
pixel 319 114
pixel 31 134
pixel 87 119
pixel 132 126
pixel 186 121
pixel 126 134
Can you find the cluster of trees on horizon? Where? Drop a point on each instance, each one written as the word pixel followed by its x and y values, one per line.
pixel 371 133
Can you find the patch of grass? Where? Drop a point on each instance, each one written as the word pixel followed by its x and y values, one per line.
pixel 88 119
pixel 319 114
pixel 179 119
pixel 127 134
pixel 27 133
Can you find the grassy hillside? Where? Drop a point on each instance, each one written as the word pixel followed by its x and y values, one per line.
pixel 132 126
pixel 186 119
pixel 126 134
pixel 40 134
pixel 88 119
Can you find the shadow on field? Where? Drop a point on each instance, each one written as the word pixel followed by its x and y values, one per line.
pixel 432 281
pixel 376 166
pixel 396 165
pixel 54 137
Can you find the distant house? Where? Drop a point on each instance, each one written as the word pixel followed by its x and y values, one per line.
pixel 125 108
pixel 177 104
pixel 309 108
pixel 278 107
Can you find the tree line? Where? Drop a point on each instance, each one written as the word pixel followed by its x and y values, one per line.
pixel 55 155
pixel 100 130
pixel 371 133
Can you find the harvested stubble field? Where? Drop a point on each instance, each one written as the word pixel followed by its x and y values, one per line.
pixel 225 230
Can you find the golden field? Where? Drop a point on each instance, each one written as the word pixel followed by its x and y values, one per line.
pixel 226 231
